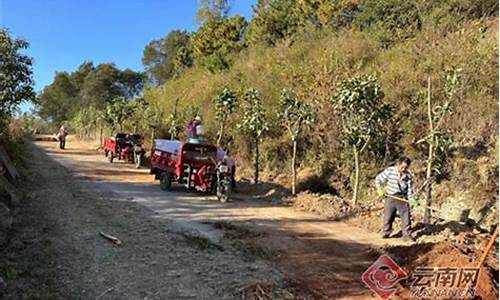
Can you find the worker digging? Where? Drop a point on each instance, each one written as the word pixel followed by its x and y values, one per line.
pixel 397 181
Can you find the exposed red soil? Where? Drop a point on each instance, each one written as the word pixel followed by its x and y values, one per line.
pixel 447 254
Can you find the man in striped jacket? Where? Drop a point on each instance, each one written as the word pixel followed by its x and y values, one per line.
pixel 397 181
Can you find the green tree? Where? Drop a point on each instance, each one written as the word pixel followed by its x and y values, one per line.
pixel 59 101
pixel 215 41
pixel 183 59
pixel 393 19
pixel 131 83
pixel 116 111
pixel 164 58
pixel 88 86
pixel 86 121
pixel 152 117
pixel 325 13
pixel 107 82
pixel 78 76
pixel 273 20
pixel 212 10
pixel 173 121
pixel 225 105
pixel 16 82
pixel 296 116
pixel 100 86
pixel 438 140
pixel 360 106
pixel 254 123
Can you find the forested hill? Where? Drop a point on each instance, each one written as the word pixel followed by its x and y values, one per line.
pixel 359 71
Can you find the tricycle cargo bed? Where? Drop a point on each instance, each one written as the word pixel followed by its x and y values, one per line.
pixel 186 163
pixel 167 145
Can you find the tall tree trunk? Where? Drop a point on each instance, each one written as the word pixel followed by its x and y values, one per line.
pixel 428 190
pixel 294 171
pixel 100 137
pixel 152 138
pixel 221 133
pixel 121 127
pixel 356 176
pixel 256 162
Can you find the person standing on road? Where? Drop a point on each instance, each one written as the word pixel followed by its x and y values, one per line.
pixel 397 181
pixel 61 136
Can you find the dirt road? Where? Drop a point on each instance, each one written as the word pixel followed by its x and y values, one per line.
pixel 56 251
pixel 323 259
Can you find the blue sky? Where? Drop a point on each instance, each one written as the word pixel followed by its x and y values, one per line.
pixel 64 33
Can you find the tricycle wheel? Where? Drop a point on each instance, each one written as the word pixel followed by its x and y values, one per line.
pixel 165 181
pixel 110 157
pixel 223 191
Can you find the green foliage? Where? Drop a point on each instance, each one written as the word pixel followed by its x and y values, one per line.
pixel 225 105
pixel 28 123
pixel 117 111
pixel 100 86
pixel 395 19
pixel 294 114
pixel 59 100
pixel 314 48
pixel 212 10
pixel 359 103
pixel 86 120
pixel 297 117
pixel 16 82
pixel 164 58
pixel 254 122
pixel 183 59
pixel 362 111
pixel 78 76
pixel 216 40
pixel 88 86
pixel 447 15
pixel 173 122
pixel 273 21
pixel 441 140
pixel 276 20
pixel 106 82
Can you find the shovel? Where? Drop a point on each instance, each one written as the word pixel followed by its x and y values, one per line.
pixel 461 215
pixel 369 211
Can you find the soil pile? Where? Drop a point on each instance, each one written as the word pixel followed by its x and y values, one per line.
pixel 326 205
pixel 447 254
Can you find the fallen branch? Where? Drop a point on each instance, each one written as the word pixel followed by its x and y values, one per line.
pixel 104 293
pixel 111 238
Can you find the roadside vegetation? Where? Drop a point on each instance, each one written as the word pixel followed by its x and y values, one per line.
pixel 367 69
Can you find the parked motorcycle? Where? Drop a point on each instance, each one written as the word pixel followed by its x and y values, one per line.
pixel 126 147
pixel 138 153
pixel 223 186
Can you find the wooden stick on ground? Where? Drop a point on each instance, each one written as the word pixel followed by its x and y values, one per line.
pixel 111 238
pixel 488 248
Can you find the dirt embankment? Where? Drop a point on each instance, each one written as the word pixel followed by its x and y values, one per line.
pixel 447 255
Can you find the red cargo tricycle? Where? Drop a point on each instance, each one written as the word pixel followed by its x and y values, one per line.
pixel 194 165
pixel 126 147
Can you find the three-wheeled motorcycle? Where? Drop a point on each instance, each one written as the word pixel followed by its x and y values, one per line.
pixel 194 165
pixel 126 147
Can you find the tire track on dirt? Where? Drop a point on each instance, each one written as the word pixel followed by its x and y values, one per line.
pixel 325 258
